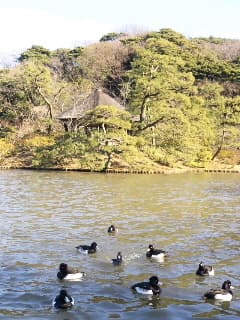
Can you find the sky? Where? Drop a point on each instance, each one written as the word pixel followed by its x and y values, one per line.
pixel 71 23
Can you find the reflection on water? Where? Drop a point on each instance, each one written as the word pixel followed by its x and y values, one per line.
pixel 45 215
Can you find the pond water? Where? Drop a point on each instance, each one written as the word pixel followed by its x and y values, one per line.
pixel 45 215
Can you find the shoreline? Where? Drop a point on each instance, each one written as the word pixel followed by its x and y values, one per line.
pixel 126 171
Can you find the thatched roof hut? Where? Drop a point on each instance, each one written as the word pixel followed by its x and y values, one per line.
pixel 70 118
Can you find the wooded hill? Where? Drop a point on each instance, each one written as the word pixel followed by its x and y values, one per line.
pixel 179 98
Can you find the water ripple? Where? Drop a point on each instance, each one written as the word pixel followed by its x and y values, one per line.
pixel 45 215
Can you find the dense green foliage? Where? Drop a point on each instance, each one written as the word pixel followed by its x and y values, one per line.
pixel 182 100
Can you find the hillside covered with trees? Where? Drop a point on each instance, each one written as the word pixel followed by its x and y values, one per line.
pixel 180 103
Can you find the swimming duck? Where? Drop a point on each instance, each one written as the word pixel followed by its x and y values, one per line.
pixel 63 300
pixel 204 270
pixel 118 260
pixel 155 253
pixel 88 249
pixel 224 293
pixel 66 273
pixel 151 287
pixel 112 229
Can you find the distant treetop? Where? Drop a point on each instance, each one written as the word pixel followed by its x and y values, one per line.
pixel 112 36
pixel 35 52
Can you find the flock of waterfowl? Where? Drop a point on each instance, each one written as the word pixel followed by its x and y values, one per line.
pixel 151 287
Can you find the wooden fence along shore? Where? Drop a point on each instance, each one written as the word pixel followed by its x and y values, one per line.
pixel 128 171
pixel 175 171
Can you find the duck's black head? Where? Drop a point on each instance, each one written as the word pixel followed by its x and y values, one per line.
pixel 227 285
pixel 93 245
pixel 63 267
pixel 119 256
pixel 201 266
pixel 63 293
pixel 150 247
pixel 153 280
pixel 111 228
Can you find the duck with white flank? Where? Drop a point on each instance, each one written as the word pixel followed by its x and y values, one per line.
pixel 66 273
pixel 118 260
pixel 88 249
pixel 155 253
pixel 150 287
pixel 204 270
pixel 112 229
pixel 63 300
pixel 224 294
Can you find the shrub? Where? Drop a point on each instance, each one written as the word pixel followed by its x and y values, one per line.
pixel 39 141
pixel 5 148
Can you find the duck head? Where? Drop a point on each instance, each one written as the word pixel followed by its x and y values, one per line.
pixel 93 245
pixel 63 268
pixel 150 248
pixel 63 293
pixel 112 228
pixel 154 282
pixel 119 256
pixel 201 266
pixel 227 285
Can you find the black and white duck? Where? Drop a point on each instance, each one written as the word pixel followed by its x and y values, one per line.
pixel 87 249
pixel 66 273
pixel 112 229
pixel 224 294
pixel 150 287
pixel 118 260
pixel 155 253
pixel 63 300
pixel 204 270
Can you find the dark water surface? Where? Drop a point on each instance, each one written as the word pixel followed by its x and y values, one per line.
pixel 44 215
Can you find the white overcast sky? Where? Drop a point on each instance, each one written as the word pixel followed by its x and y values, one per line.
pixel 69 23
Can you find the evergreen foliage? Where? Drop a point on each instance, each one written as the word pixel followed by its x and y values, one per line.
pixel 36 52
pixel 182 100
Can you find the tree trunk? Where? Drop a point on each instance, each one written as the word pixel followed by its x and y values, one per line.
pixel 65 127
pixel 220 145
pixel 103 127
pixel 153 137
pixel 109 159
pixel 143 110
pixel 50 109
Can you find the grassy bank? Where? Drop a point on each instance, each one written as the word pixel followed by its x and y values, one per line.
pixel 55 153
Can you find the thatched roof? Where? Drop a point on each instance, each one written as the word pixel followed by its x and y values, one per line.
pixel 96 98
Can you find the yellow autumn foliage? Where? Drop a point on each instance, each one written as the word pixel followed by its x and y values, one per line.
pixel 39 141
pixel 5 147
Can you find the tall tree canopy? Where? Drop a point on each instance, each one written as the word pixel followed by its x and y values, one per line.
pixel 182 96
